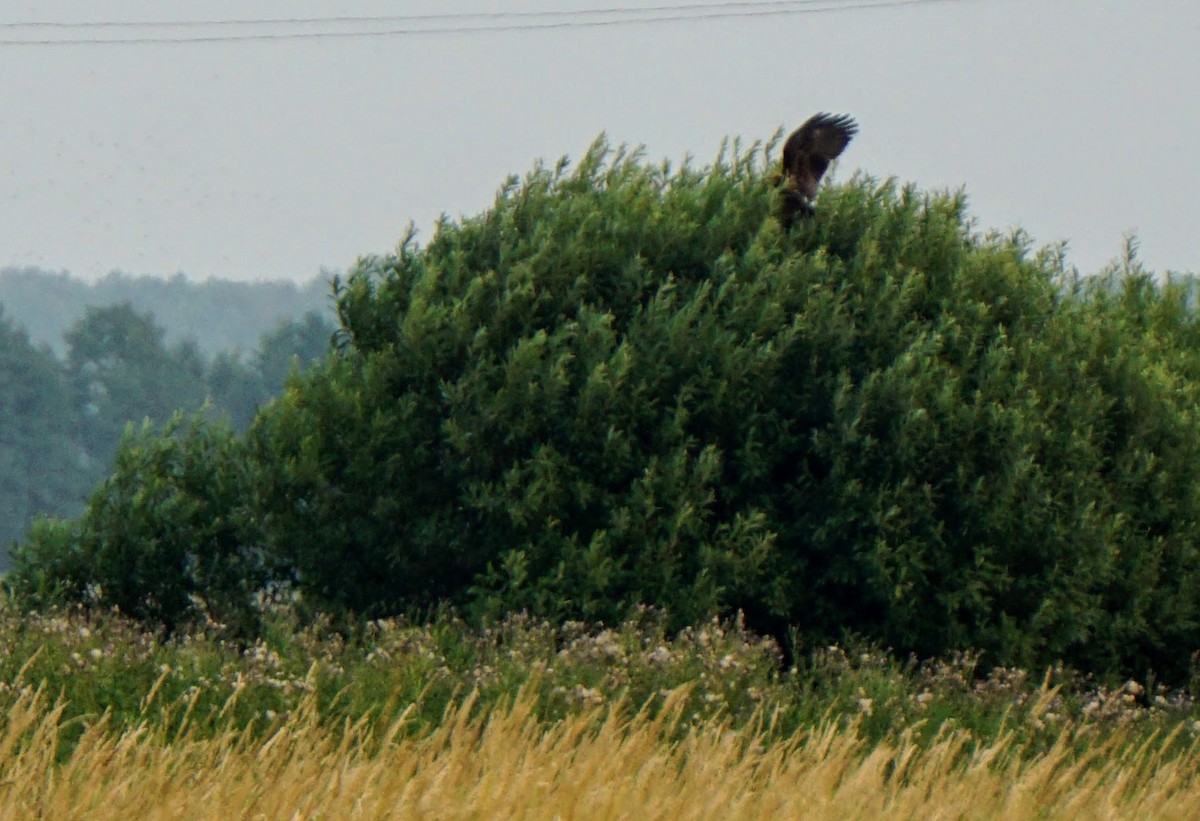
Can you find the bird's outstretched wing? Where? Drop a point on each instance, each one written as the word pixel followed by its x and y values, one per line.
pixel 811 147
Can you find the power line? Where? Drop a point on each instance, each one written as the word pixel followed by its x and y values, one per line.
pixel 744 10
pixel 419 18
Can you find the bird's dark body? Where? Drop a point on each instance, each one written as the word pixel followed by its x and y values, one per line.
pixel 806 157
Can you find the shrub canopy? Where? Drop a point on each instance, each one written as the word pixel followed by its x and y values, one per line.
pixel 625 383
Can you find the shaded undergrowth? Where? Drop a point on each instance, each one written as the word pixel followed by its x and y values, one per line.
pixel 105 667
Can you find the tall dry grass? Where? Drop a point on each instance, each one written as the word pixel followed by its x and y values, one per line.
pixel 606 763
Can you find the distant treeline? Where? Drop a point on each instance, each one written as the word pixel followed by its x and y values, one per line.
pixel 218 315
pixel 64 407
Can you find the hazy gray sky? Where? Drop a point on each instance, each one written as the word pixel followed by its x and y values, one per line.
pixel 1075 119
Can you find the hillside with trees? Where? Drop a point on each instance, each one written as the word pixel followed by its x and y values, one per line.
pixel 44 467
pixel 216 315
pixel 625 384
pixel 63 419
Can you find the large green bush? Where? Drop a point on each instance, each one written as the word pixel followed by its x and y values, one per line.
pixel 625 383
pixel 168 538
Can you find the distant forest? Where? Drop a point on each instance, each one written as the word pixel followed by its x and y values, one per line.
pixel 218 315
pixel 79 362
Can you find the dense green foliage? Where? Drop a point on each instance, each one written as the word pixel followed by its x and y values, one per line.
pixel 62 422
pixel 122 371
pixel 627 384
pixel 160 538
pixel 42 463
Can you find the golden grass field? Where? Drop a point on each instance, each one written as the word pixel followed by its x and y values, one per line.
pixel 604 763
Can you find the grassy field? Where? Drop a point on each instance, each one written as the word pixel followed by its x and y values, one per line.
pixel 599 763
pixel 101 719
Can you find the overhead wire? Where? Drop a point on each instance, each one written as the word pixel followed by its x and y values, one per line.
pixel 423 17
pixel 555 19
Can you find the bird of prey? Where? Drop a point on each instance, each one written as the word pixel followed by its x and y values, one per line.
pixel 806 155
